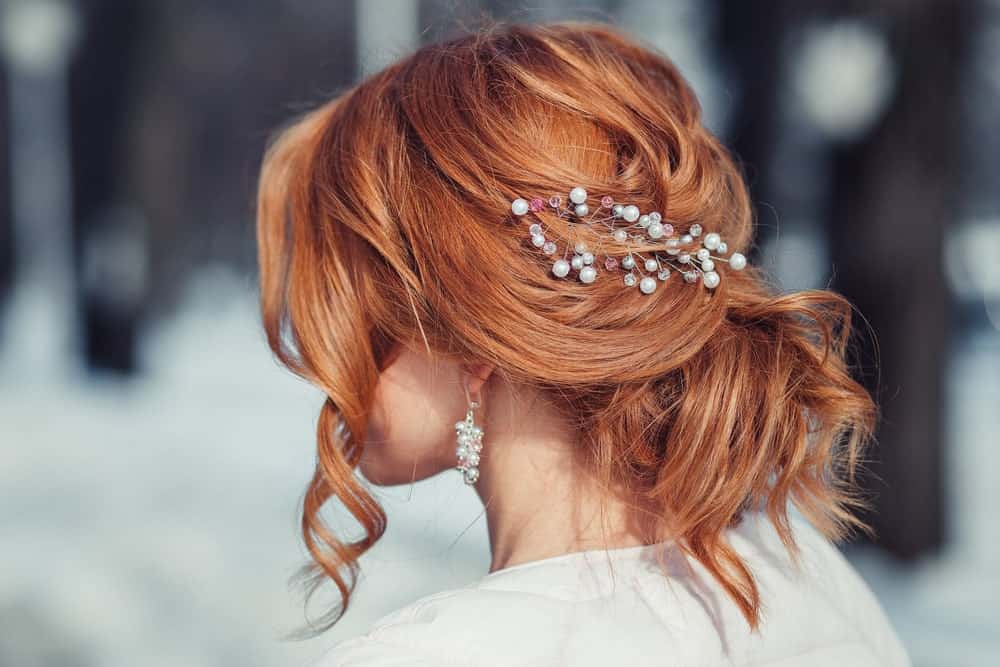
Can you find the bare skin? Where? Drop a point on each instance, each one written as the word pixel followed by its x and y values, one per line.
pixel 538 504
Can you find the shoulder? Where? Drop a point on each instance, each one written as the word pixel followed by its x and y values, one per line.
pixel 828 583
pixel 459 627
pixel 561 611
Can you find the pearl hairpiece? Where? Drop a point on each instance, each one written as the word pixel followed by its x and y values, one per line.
pixel 678 251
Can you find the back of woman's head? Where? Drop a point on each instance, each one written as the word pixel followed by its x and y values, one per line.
pixel 384 218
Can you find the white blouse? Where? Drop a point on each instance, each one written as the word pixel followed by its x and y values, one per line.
pixel 616 607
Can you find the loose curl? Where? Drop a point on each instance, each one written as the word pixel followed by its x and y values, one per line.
pixel 382 219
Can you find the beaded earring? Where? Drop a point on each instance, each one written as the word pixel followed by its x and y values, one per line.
pixel 469 437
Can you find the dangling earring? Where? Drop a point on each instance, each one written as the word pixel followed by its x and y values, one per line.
pixel 470 443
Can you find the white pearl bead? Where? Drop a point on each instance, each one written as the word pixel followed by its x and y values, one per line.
pixel 519 206
pixel 620 235
pixel 631 213
pixel 673 244
pixel 707 265
pixel 687 238
pixel 535 228
pixel 588 274
pixel 723 248
pixel 683 258
pixel 549 247
pixel 560 268
pixel 712 241
pixel 588 258
pixel 647 285
pixel 580 247
pixel 691 276
pixel 617 210
pixel 703 254
pixel 578 195
pixel 577 262
pixel 711 279
pixel 581 210
pixel 644 220
pixel 695 229
pixel 652 265
pixel 737 261
pixel 655 216
pixel 663 274
pixel 628 262
pixel 629 279
pixel 537 240
pixel 655 230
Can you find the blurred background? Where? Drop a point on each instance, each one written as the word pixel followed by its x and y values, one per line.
pixel 152 455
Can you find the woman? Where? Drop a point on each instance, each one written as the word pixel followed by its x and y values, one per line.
pixel 528 231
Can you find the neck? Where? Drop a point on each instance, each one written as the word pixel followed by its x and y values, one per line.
pixel 539 502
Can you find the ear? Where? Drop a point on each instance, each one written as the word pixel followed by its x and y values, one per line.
pixel 478 374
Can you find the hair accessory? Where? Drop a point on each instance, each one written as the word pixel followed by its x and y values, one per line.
pixel 627 226
pixel 470 443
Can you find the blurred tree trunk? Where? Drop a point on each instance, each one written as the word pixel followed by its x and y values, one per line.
pixel 101 90
pixel 894 197
pixel 753 60
pixel 6 210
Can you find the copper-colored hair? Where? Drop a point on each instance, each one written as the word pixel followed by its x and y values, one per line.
pixel 383 218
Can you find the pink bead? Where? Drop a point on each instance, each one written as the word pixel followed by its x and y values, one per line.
pixel 610 263
pixel 607 201
pixel 555 201
pixel 668 229
pixel 536 205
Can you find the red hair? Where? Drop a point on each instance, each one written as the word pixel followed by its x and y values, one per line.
pixel 382 220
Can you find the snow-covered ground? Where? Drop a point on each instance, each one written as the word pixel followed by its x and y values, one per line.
pixel 153 521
